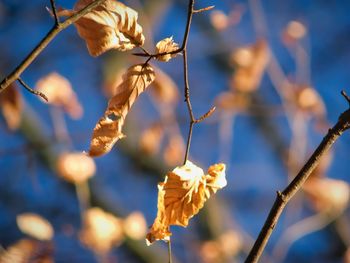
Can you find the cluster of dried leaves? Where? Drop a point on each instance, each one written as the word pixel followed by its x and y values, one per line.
pixel 113 25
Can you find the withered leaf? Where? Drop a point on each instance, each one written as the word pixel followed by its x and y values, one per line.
pixel 108 130
pixel 111 25
pixel 11 105
pixel 164 89
pixel 182 195
pixel 101 230
pixel 75 167
pixel 166 45
pixel 60 93
pixel 151 138
pixel 35 226
pixel 251 63
pixel 28 250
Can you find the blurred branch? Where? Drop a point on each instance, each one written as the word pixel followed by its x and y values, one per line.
pixel 284 197
pixel 57 28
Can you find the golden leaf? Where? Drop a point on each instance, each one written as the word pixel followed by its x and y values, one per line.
pixel 164 89
pixel 28 250
pixel 182 195
pixel 11 105
pixel 327 195
pixel 166 45
pixel 101 230
pixel 111 25
pixel 109 128
pixel 75 167
pixel 219 20
pixel 35 226
pixel 251 63
pixel 151 139
pixel 135 226
pixel 174 150
pixel 59 92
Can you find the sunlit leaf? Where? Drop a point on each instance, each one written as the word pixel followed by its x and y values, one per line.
pixel 166 45
pixel 59 92
pixel 109 128
pixel 182 195
pixel 75 167
pixel 28 251
pixel 174 150
pixel 111 25
pixel 219 20
pixel 327 195
pixel 151 138
pixel 101 230
pixel 250 63
pixel 164 89
pixel 11 105
pixel 35 226
pixel 135 226
pixel 293 32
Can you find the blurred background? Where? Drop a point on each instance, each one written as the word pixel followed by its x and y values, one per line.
pixel 274 70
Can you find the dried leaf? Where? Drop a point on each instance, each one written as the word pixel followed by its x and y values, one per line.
pixel 151 139
pixel 11 104
pixel 101 230
pixel 164 89
pixel 251 63
pixel 59 92
pixel 35 226
pixel 308 100
pixel 28 251
pixel 327 195
pixel 166 45
pixel 231 101
pixel 109 128
pixel 219 20
pixel 135 226
pixel 75 167
pixel 182 195
pixel 111 25
pixel 293 32
pixel 174 150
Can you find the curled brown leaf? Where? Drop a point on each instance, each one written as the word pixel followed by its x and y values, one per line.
pixel 11 105
pixel 108 130
pixel 182 195
pixel 166 45
pixel 111 25
pixel 60 93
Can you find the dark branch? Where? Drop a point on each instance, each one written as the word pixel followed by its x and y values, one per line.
pixel 284 197
pixel 345 96
pixel 35 92
pixel 54 11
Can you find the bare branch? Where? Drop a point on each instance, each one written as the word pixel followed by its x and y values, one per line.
pixel 57 28
pixel 54 11
pixel 345 96
pixel 205 115
pixel 284 197
pixel 203 9
pixel 35 92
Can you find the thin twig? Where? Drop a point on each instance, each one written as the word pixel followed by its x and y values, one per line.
pixel 345 96
pixel 35 92
pixel 57 28
pixel 54 11
pixel 169 251
pixel 284 197
pixel 203 9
